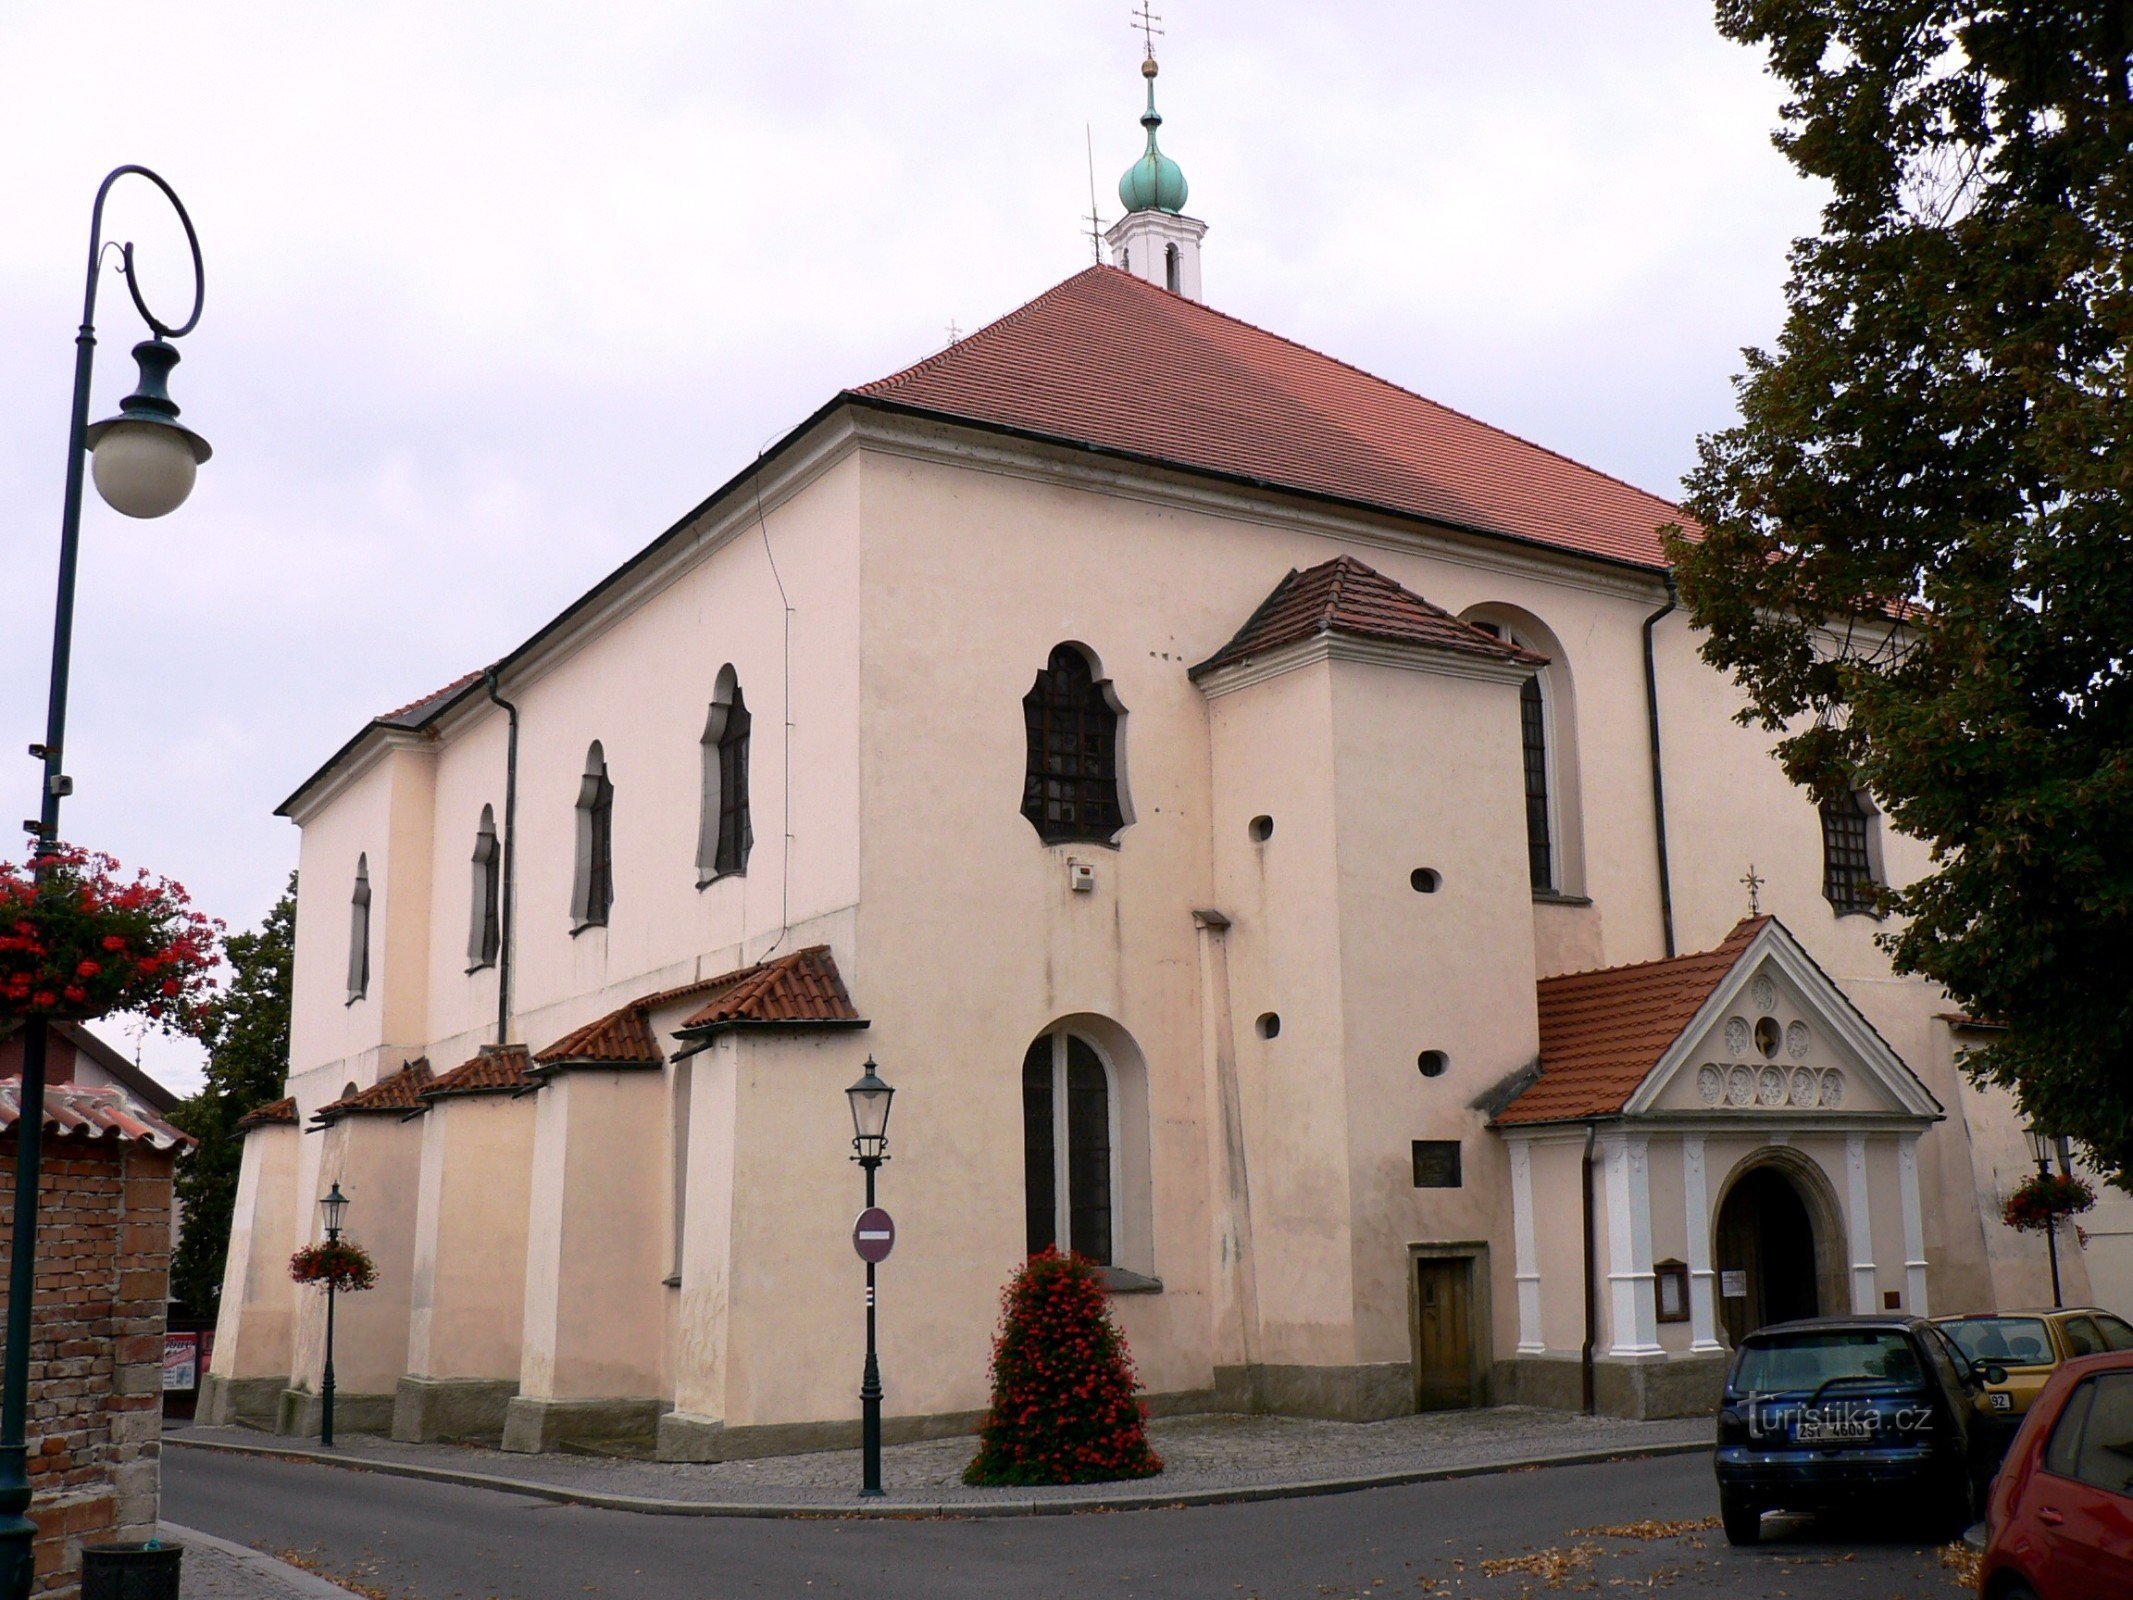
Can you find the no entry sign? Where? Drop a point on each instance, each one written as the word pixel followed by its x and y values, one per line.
pixel 874 1234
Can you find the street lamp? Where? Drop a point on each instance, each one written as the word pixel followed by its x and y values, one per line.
pixel 2041 1145
pixel 869 1099
pixel 144 468
pixel 334 1206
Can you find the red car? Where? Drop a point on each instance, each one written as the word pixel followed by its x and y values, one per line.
pixel 2060 1522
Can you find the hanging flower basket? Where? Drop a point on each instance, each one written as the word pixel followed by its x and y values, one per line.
pixel 86 942
pixel 2033 1206
pixel 342 1263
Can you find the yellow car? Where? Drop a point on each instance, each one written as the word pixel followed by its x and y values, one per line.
pixel 2019 1350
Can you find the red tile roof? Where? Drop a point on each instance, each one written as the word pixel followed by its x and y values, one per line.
pixel 415 712
pixel 802 987
pixel 495 1070
pixel 400 1092
pixel 85 1111
pixel 269 1115
pixel 1105 359
pixel 1601 1033
pixel 1344 596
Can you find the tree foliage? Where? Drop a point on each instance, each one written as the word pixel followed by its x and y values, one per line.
pixel 1943 435
pixel 246 1031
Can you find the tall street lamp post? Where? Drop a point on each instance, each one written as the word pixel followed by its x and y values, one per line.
pixel 873 1236
pixel 144 462
pixel 335 1207
pixel 2040 1149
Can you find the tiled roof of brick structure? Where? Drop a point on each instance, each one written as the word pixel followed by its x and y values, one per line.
pixel 1601 1033
pixel 1105 359
pixel 1344 596
pixel 92 1111
pixel 496 1069
pixel 269 1115
pixel 402 1091
pixel 803 987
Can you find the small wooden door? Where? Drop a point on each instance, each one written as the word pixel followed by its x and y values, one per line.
pixel 1444 1352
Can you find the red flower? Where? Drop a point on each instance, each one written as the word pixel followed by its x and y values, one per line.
pixel 114 943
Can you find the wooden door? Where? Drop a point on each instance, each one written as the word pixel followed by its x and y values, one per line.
pixel 1444 1352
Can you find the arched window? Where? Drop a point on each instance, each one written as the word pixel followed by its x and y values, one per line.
pixel 593 888
pixel 1070 789
pixel 1548 753
pixel 1068 1144
pixel 1171 269
pixel 723 834
pixel 485 932
pixel 1850 872
pixel 359 932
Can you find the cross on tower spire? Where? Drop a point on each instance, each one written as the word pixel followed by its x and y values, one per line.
pixel 1754 886
pixel 1145 20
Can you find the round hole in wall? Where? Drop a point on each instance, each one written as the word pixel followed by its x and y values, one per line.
pixel 1768 1036
pixel 1269 1024
pixel 1431 1063
pixel 1261 829
pixel 1425 880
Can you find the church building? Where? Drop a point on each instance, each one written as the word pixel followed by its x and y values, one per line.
pixel 1274 832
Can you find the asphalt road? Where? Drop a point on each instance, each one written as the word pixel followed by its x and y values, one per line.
pixel 1501 1536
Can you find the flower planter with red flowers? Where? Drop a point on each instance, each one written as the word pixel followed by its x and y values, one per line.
pixel 1064 1407
pixel 341 1263
pixel 82 941
pixel 2043 1198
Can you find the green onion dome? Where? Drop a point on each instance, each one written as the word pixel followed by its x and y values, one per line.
pixel 1153 183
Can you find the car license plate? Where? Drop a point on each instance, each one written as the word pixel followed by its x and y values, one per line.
pixel 2000 1402
pixel 1814 1429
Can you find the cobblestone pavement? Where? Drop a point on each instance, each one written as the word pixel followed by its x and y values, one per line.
pixel 215 1569
pixel 1215 1452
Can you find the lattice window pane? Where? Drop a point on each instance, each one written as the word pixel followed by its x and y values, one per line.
pixel 1070 790
pixel 1847 855
pixel 1533 730
pixel 1040 1196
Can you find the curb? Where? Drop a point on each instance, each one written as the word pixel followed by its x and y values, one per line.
pixel 294 1581
pixel 1137 1501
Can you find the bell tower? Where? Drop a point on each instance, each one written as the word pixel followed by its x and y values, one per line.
pixel 1155 240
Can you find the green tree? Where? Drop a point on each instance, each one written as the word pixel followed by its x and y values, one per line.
pixel 1943 433
pixel 246 1031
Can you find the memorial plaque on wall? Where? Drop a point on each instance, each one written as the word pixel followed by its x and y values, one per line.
pixel 1436 1163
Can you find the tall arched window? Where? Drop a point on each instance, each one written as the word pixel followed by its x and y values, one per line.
pixel 1068 1145
pixel 1850 872
pixel 724 835
pixel 593 887
pixel 359 932
pixel 1171 268
pixel 1533 740
pixel 1070 787
pixel 485 934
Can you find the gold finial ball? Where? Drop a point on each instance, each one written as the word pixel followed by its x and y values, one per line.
pixel 1148 67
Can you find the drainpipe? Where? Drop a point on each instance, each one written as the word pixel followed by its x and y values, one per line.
pixel 503 911
pixel 1592 1310
pixel 1651 708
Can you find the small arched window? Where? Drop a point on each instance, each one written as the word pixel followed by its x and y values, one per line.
pixel 1068 1146
pixel 724 835
pixel 359 932
pixel 485 934
pixel 1070 786
pixel 1533 739
pixel 1172 271
pixel 593 887
pixel 1850 872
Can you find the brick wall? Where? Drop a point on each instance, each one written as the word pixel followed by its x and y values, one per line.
pixel 96 1355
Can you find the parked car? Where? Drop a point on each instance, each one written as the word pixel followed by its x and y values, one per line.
pixel 1821 1413
pixel 2060 1522
pixel 2025 1348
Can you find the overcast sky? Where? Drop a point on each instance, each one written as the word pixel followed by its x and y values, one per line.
pixel 495 292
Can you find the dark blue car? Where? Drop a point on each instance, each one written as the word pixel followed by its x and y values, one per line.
pixel 1833 1412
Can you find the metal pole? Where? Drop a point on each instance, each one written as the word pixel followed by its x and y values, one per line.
pixel 870 1384
pixel 325 1388
pixel 2051 1235
pixel 18 1557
